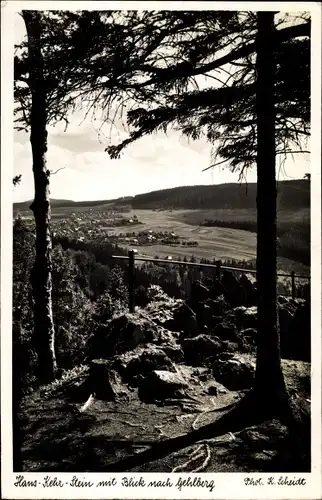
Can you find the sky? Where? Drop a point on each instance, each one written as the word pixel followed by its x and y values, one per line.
pixel 84 170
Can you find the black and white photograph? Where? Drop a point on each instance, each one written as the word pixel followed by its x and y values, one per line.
pixel 161 250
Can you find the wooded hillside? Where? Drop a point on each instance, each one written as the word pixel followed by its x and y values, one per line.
pixel 294 194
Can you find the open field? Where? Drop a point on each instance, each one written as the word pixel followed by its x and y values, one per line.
pixel 214 243
pixel 235 241
pixel 218 243
pixel 196 217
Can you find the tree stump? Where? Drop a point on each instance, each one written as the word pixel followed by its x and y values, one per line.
pixel 102 380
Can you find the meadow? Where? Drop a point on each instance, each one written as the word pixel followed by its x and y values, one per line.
pixel 220 243
pixel 222 234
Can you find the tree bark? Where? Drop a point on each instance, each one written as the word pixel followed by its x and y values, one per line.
pixel 269 377
pixel 41 279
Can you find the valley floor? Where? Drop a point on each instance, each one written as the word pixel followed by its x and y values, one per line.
pixel 220 243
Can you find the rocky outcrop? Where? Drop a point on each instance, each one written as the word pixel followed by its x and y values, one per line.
pixel 294 325
pixel 217 307
pixel 141 349
pixel 174 315
pixel 235 291
pixel 211 312
pixel 245 317
pixel 126 332
pixel 132 365
pixel 286 310
pixel 161 384
pixel 248 282
pixel 235 373
pixel 199 349
pixel 226 330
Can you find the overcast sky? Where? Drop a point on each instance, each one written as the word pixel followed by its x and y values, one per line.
pixel 154 162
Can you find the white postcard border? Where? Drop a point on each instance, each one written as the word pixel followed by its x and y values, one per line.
pixel 226 485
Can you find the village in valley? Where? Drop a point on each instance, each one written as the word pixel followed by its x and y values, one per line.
pixel 119 226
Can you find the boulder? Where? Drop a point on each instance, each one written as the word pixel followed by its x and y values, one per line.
pixel 208 282
pixel 125 333
pixel 234 373
pixel 174 315
pixel 295 330
pixel 140 361
pixel 245 317
pixel 198 349
pixel 218 306
pixel 211 312
pixel 281 299
pixel 226 331
pixel 249 333
pixel 248 282
pixel 173 351
pixel 122 334
pixel 161 384
pixel 235 292
pixel 228 346
pixel 248 340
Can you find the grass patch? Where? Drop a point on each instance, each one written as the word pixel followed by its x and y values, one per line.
pixel 293 231
pixel 66 377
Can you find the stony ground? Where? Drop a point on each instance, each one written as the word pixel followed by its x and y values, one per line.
pixel 58 437
pixel 165 371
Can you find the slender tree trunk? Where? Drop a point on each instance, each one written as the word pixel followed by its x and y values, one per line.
pixel 44 334
pixel 269 376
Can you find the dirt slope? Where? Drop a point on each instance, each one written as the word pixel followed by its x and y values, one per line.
pixel 58 437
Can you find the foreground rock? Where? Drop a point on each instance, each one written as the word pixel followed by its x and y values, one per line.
pixel 245 317
pixel 132 365
pixel 235 373
pixel 126 332
pixel 161 384
pixel 174 315
pixel 211 312
pixel 199 349
pixel 294 325
pixel 226 330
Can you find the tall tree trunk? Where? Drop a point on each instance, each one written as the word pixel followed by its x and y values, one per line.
pixel 269 376
pixel 44 334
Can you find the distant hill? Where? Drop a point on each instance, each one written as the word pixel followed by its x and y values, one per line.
pixel 294 194
pixel 56 204
pixel 24 205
